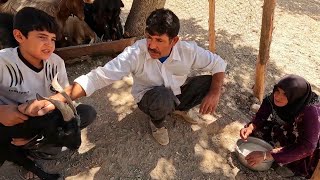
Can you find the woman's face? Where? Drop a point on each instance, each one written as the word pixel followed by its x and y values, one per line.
pixel 280 98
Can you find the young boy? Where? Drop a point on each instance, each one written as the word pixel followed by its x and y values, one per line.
pixel 29 69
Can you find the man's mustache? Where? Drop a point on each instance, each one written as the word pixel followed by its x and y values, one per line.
pixel 153 51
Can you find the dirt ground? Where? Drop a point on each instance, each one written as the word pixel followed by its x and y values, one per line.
pixel 119 145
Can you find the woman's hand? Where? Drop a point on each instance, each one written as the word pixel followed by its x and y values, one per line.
pixel 256 157
pixel 245 132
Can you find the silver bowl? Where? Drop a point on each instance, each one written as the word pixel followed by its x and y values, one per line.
pixel 243 148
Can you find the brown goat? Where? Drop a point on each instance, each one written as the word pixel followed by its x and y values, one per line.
pixel 60 9
pixel 78 32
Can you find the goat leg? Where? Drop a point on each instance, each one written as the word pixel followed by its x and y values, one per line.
pixel 18 156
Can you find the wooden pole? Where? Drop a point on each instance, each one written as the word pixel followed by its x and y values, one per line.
pixel 212 33
pixel 316 173
pixel 264 49
pixel 104 48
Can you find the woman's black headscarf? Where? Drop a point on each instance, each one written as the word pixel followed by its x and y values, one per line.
pixel 299 94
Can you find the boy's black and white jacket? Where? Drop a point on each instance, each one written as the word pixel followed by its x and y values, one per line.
pixel 20 81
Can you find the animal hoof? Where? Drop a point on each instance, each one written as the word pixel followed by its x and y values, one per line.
pixel 55 177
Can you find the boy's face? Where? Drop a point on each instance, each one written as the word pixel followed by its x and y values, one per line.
pixel 160 45
pixel 39 45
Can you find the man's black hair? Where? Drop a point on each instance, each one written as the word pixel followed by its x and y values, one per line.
pixel 30 19
pixel 163 21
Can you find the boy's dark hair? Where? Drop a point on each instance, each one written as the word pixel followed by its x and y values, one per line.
pixel 163 21
pixel 29 19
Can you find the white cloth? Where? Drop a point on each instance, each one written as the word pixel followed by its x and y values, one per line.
pixel 148 73
pixel 19 83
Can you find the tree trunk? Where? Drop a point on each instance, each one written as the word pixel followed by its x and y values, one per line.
pixel 212 32
pixel 264 48
pixel 140 10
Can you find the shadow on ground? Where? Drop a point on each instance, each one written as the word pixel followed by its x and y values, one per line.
pixel 310 8
pixel 119 144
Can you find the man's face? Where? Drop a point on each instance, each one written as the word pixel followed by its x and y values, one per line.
pixel 39 45
pixel 160 45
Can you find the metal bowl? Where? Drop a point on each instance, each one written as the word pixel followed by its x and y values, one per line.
pixel 243 148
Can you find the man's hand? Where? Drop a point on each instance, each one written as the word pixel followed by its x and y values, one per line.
pixel 209 103
pixel 36 108
pixel 10 115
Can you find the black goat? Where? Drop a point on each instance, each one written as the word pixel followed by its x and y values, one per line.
pixel 55 128
pixel 103 16
pixel 6 28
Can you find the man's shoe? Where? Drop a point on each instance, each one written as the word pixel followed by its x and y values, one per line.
pixel 187 116
pixel 194 117
pixel 160 134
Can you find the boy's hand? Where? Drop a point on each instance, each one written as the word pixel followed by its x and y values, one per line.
pixel 10 115
pixel 36 108
pixel 20 141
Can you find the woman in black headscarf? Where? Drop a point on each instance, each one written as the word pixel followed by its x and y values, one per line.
pixel 289 119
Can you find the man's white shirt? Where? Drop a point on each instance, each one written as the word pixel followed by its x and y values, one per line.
pixel 148 72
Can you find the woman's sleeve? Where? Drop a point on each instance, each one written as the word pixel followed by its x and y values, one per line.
pixel 262 114
pixel 308 127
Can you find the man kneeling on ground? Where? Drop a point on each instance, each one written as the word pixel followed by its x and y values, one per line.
pixel 159 64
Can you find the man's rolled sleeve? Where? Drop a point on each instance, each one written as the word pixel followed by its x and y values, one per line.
pixel 86 84
pixel 219 65
pixel 205 60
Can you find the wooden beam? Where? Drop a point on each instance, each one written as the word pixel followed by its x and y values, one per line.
pixel 316 173
pixel 212 33
pixel 103 48
pixel 264 49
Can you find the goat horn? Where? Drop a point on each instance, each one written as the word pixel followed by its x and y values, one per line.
pixel 55 83
pixel 58 88
pixel 65 110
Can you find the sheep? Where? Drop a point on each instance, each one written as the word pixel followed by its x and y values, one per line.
pixel 50 129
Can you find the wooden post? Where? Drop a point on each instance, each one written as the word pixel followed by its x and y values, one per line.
pixel 103 48
pixel 316 173
pixel 264 49
pixel 212 33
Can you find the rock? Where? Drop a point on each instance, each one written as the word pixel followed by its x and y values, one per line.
pixel 254 108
